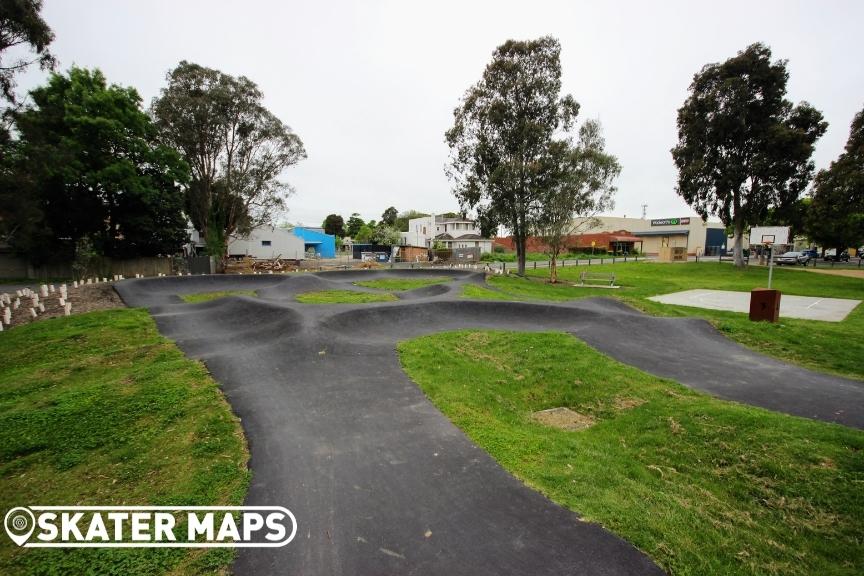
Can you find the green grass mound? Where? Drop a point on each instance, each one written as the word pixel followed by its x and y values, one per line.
pixel 704 486
pixel 208 296
pixel 99 409
pixel 835 347
pixel 400 284
pixel 479 293
pixel 343 297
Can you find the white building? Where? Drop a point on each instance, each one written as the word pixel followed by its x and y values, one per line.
pixel 450 232
pixel 269 242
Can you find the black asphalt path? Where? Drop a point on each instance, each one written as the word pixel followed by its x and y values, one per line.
pixel 379 480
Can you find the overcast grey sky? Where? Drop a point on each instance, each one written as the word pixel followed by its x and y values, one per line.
pixel 370 87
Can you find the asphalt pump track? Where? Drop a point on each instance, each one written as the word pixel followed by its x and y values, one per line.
pixel 380 481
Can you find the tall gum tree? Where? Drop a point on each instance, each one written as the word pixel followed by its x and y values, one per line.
pixel 503 131
pixel 835 217
pixel 744 149
pixel 236 148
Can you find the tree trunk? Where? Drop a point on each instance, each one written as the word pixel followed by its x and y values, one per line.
pixel 553 268
pixel 520 250
pixel 738 246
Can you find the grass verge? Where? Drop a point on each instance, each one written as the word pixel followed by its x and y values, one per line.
pixel 343 297
pixel 702 485
pixel 208 296
pixel 99 409
pixel 400 284
pixel 835 347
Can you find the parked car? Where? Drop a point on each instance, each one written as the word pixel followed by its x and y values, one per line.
pixel 811 253
pixel 831 256
pixel 792 258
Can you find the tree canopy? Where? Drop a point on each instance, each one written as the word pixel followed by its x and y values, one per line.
pixel 355 222
pixel 22 25
pixel 236 148
pixel 334 224
pixel 389 216
pixel 742 147
pixel 88 166
pixel 836 215
pixel 503 134
pixel 582 187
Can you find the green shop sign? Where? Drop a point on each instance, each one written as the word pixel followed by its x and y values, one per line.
pixel 670 222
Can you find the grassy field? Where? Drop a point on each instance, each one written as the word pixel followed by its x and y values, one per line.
pixel 99 409
pixel 208 296
pixel 343 297
pixel 702 485
pixel 836 347
pixel 400 284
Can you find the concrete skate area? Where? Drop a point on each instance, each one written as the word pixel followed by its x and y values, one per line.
pixel 804 307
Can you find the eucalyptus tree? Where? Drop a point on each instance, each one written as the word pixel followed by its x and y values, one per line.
pixel 835 216
pixel 236 148
pixel 581 187
pixel 743 148
pixel 503 134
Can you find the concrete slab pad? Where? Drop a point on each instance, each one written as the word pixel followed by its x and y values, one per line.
pixel 804 307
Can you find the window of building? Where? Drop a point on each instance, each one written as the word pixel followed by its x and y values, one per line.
pixel 266 242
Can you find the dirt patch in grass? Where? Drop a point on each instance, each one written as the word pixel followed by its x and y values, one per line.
pixel 838 272
pixel 627 403
pixel 86 298
pixel 563 418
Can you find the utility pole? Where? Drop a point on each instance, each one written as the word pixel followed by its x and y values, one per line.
pixel 644 210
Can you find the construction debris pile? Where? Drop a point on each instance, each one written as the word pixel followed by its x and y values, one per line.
pixel 249 265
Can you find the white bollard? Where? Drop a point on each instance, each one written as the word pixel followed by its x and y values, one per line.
pixel 62 301
pixel 7 315
pixel 41 307
pixel 43 290
pixel 67 310
pixel 75 284
pixel 51 289
pixel 33 312
pixel 16 304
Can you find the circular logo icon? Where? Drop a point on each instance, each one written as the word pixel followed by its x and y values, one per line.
pixel 19 523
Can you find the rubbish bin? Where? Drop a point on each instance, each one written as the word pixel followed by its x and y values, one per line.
pixel 764 305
